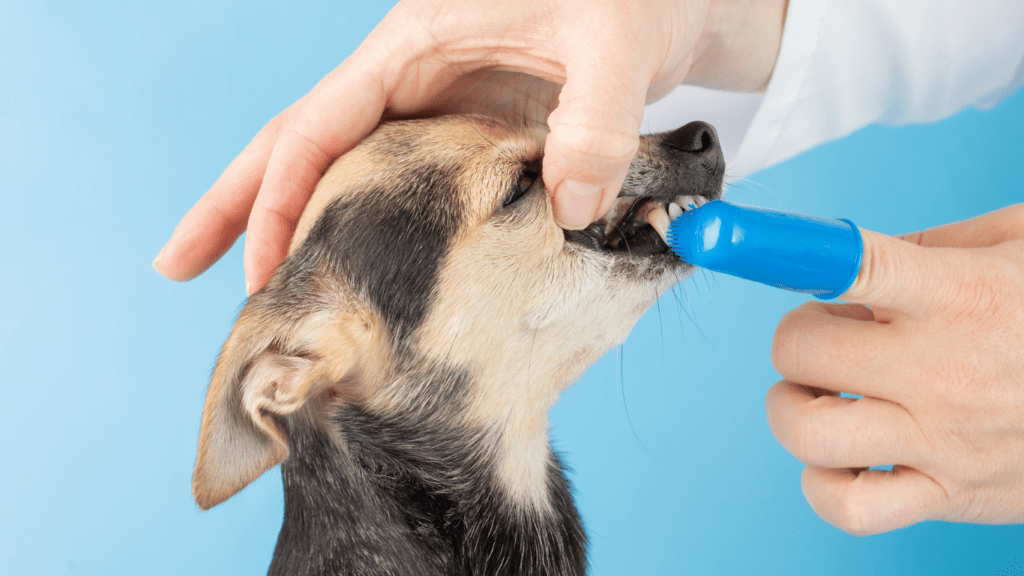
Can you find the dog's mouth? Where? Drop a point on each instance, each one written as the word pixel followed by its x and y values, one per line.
pixel 635 226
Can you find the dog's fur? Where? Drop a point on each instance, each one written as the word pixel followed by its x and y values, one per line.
pixel 400 364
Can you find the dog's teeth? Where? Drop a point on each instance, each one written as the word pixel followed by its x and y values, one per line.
pixel 617 213
pixel 659 220
pixel 690 202
pixel 674 211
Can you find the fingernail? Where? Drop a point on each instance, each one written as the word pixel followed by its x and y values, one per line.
pixel 248 287
pixel 577 203
pixel 159 257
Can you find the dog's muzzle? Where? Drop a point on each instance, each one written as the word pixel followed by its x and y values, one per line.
pixel 676 171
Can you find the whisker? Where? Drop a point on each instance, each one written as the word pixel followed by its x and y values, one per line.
pixel 622 392
pixel 481 134
pixel 676 293
pixel 529 361
pixel 692 316
pixel 707 283
pixel 754 186
pixel 661 326
pixel 451 346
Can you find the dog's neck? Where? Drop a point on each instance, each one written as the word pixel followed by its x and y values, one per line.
pixel 368 493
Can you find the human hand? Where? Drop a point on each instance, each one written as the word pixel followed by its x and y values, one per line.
pixel 939 360
pixel 586 68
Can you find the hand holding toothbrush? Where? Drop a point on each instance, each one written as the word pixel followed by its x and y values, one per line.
pixel 933 343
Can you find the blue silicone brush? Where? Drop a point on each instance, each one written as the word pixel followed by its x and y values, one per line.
pixel 802 253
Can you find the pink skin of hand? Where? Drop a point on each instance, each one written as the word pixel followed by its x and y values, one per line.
pixel 938 360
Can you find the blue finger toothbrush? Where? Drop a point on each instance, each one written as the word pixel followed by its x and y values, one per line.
pixel 802 253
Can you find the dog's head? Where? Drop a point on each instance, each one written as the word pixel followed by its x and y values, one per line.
pixel 429 248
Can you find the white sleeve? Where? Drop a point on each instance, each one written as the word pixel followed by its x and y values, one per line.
pixel 849 63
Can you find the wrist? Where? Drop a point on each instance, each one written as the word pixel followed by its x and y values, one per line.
pixel 739 45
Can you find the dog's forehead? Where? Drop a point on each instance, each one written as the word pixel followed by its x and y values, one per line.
pixel 475 156
pixel 385 216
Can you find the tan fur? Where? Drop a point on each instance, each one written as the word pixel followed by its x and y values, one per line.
pixel 484 153
pixel 523 312
pixel 238 439
pixel 506 314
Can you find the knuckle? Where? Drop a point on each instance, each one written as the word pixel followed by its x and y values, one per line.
pixel 991 295
pixel 295 166
pixel 589 140
pixel 785 350
pixel 801 430
pixel 966 507
pixel 269 135
pixel 272 129
pixel 853 513
pixel 913 238
pixel 807 441
pixel 305 146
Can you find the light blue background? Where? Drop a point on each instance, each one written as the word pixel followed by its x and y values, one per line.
pixel 116 117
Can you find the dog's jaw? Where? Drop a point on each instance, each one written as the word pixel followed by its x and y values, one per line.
pixel 450 313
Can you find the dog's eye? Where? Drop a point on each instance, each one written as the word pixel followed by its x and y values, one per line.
pixel 527 177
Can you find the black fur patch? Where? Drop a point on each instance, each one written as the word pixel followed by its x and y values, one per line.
pixel 388 244
pixel 412 494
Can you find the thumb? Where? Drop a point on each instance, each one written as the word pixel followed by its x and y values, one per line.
pixel 595 132
pixel 899 275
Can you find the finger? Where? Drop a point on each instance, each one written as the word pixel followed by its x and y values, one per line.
pixel 844 310
pixel 864 502
pixel 817 345
pixel 983 231
pixel 594 136
pixel 900 276
pixel 514 97
pixel 209 229
pixel 839 432
pixel 341 110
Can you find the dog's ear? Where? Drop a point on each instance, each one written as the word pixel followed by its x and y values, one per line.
pixel 268 368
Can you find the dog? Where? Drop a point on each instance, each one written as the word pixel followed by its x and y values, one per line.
pixel 400 364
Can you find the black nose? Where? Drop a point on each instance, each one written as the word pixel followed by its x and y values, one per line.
pixel 684 162
pixel 695 138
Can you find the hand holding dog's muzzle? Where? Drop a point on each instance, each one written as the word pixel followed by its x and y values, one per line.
pixel 933 346
pixel 583 69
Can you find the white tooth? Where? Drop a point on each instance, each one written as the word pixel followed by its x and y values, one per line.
pixel 691 202
pixel 674 211
pixel 619 208
pixel 617 213
pixel 659 219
